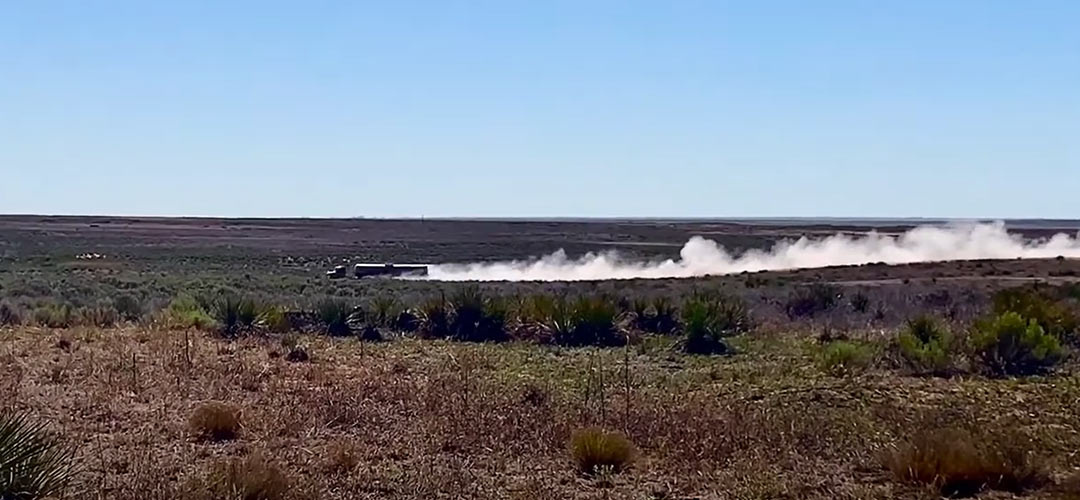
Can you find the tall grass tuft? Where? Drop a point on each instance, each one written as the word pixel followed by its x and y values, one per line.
pixel 595 450
pixel 33 464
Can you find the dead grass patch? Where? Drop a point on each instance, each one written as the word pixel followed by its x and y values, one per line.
pixel 215 421
pixel 961 464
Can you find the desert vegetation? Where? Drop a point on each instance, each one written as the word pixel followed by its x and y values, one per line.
pixel 214 375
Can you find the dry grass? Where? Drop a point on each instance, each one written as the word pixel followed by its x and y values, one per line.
pixel 960 464
pixel 595 450
pixel 411 419
pixel 247 478
pixel 215 421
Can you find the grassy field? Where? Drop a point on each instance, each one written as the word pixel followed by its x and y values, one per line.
pixel 219 372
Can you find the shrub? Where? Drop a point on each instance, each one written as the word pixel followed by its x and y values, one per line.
pixel 215 421
pixel 102 316
pixel 33 464
pixel 250 478
pixel 384 311
pixel 1009 344
pixel 842 357
pixel 477 318
pixel 1038 305
pixel 273 319
pixel 657 316
pixel 334 315
pixel 926 346
pixel 595 450
pixel 185 311
pixel 435 318
pixel 860 303
pixel 812 300
pixel 406 321
pixel 959 464
pixel 233 313
pixel 588 321
pixel 128 308
pixel 708 318
pixel 55 316
pixel 10 315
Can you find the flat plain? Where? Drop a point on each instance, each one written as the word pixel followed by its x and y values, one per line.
pixel 785 411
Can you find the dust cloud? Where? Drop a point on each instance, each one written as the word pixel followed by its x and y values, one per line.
pixel 700 256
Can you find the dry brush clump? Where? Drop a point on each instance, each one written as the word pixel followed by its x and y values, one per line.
pixel 215 421
pixel 253 477
pixel 597 451
pixel 959 463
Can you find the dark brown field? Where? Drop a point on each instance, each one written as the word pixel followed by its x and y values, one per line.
pixel 413 417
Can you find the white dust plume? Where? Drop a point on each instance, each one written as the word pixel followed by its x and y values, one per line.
pixel 700 256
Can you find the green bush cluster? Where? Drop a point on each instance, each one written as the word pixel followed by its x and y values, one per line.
pixel 1010 344
pixel 927 346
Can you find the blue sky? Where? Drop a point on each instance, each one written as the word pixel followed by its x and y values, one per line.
pixel 555 108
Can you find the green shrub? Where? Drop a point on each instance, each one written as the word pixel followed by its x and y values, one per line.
pixel 959 464
pixel 1009 344
pixel 273 319
pixel 588 321
pixel 185 311
pixel 33 464
pixel 708 318
pixel 384 311
pixel 55 315
pixel 812 300
pixel 435 318
pixel 596 451
pixel 656 316
pixel 1039 305
pixel 926 346
pixel 477 318
pixel 334 315
pixel 10 314
pixel 128 308
pixel 102 316
pixel 842 357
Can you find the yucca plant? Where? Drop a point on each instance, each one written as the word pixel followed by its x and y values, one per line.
pixel 33 464
pixel 334 315
pixel 384 310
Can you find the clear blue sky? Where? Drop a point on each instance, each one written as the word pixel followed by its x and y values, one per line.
pixel 553 108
